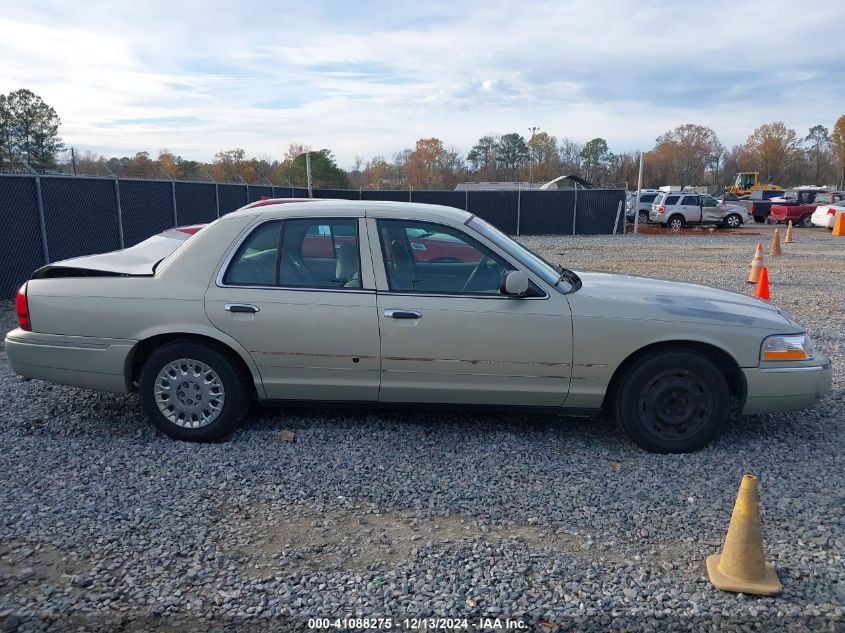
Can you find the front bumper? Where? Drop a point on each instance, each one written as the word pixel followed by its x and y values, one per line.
pixel 79 361
pixel 772 388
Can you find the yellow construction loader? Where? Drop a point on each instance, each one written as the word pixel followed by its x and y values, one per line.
pixel 748 181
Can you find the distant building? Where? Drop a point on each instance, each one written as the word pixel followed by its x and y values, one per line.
pixel 497 186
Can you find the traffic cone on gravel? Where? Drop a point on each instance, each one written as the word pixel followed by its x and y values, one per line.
pixel 756 265
pixel 741 567
pixel 839 225
pixel 787 239
pixel 775 248
pixel 762 291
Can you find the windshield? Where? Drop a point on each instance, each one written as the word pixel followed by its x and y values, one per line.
pixel 529 259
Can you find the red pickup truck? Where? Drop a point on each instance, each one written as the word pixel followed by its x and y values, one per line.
pixel 799 208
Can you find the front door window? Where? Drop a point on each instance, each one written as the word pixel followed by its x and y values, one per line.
pixel 422 257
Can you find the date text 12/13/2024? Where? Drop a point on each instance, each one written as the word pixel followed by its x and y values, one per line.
pixel 418 624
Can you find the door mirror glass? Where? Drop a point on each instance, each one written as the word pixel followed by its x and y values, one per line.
pixel 514 283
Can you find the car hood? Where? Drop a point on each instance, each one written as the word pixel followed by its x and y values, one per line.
pixel 630 297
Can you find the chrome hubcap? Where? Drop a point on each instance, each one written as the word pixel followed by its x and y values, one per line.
pixel 189 393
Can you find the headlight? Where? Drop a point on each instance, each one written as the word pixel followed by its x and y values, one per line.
pixel 794 347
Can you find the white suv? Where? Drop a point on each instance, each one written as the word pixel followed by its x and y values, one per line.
pixel 676 210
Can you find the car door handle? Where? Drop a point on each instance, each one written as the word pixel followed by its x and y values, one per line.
pixel 241 307
pixel 393 313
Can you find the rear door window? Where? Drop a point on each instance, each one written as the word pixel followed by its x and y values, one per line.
pixel 255 262
pixel 320 253
pixel 670 200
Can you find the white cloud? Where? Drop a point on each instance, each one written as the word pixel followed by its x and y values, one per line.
pixel 370 78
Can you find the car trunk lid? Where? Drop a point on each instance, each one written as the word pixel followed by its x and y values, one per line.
pixel 137 260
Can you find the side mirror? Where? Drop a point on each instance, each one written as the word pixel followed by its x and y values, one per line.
pixel 514 283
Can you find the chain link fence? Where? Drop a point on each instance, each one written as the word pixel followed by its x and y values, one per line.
pixel 50 218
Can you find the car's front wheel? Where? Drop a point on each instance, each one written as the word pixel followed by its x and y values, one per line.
pixel 672 402
pixel 192 392
pixel 733 221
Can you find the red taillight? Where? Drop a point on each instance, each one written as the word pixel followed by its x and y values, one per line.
pixel 661 209
pixel 830 211
pixel 753 207
pixel 23 310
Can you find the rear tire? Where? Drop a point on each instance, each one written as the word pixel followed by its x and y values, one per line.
pixel 673 402
pixel 806 221
pixel 643 219
pixel 193 392
pixel 675 223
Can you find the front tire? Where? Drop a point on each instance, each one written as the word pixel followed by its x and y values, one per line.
pixel 673 402
pixel 192 392
pixel 733 221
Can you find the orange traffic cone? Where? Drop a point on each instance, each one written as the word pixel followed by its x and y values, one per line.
pixel 741 567
pixel 839 225
pixel 762 291
pixel 775 248
pixel 787 239
pixel 756 265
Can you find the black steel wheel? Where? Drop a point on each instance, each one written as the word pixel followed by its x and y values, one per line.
pixel 673 402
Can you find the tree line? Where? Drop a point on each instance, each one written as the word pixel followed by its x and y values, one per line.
pixel 690 154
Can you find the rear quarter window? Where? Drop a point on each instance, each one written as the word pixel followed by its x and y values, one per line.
pixel 671 200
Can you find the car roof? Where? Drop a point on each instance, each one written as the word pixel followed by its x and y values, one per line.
pixel 315 207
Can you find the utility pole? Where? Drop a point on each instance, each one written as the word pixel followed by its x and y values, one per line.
pixel 639 189
pixel 533 129
pixel 73 160
pixel 308 173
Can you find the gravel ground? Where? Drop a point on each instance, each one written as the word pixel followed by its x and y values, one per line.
pixel 562 523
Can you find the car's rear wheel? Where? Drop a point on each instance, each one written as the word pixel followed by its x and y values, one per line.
pixel 192 392
pixel 673 402
pixel 675 223
pixel 733 221
pixel 643 219
pixel 806 221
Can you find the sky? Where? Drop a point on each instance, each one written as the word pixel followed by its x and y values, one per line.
pixel 369 78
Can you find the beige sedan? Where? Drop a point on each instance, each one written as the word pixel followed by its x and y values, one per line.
pixel 396 303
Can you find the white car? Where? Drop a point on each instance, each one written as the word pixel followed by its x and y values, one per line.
pixel 390 303
pixel 825 215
